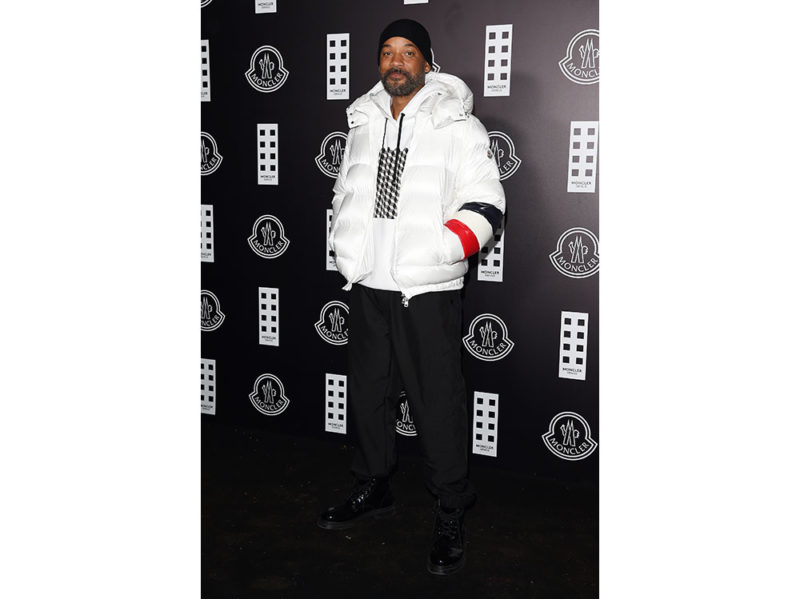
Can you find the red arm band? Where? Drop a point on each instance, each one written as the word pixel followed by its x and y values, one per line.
pixel 468 240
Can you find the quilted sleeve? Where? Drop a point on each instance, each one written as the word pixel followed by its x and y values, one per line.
pixel 479 193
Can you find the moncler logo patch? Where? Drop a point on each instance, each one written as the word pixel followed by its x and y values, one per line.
pixel 211 315
pixel 210 158
pixel 266 73
pixel 332 323
pixel 488 338
pixel 582 61
pixel 577 254
pixel 504 154
pixel 331 153
pixel 268 396
pixel 435 67
pixel 268 239
pixel 405 423
pixel 569 437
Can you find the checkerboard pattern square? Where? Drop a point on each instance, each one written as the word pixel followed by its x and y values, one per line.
pixel 497 61
pixel 338 66
pixel 572 350
pixel 490 260
pixel 208 386
pixel 335 403
pixel 268 323
pixel 206 233
pixel 391 163
pixel 484 427
pixel 267 153
pixel 583 140
pixel 205 72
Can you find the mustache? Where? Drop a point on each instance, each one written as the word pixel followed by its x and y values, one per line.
pixel 400 71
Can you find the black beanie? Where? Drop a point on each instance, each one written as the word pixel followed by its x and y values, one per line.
pixel 412 31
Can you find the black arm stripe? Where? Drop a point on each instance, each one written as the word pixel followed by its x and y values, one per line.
pixel 487 211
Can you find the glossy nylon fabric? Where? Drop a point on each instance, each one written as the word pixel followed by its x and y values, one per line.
pixel 449 164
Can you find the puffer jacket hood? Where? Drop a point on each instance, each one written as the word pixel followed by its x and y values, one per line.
pixel 447 99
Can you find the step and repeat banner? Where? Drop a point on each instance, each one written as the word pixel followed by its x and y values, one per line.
pixel 276 78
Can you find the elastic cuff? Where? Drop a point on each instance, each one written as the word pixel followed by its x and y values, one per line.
pixel 469 242
pixel 454 249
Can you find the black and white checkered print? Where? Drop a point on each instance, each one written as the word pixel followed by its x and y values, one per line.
pixel 389 182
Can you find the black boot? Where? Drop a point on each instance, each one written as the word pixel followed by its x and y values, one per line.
pixel 370 499
pixel 448 553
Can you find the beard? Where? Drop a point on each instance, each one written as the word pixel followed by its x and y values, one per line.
pixel 406 88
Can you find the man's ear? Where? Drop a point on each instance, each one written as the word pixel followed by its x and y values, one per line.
pixel 428 67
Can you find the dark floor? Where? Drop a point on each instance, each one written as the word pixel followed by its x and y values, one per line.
pixel 262 492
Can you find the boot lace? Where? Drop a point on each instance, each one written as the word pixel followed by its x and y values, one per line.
pixel 449 527
pixel 362 491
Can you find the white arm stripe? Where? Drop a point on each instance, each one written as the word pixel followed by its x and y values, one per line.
pixel 477 224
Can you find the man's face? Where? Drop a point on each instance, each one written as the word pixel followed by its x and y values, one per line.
pixel 402 67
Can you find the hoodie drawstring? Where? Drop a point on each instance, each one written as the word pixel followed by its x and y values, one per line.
pixel 397 151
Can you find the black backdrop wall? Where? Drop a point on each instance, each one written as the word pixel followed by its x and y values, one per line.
pixel 276 79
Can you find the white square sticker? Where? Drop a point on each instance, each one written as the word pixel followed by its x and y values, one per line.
pixel 572 352
pixel 267 154
pixel 490 261
pixel 268 323
pixel 484 427
pixel 208 386
pixel 205 72
pixel 582 171
pixel 335 403
pixel 497 61
pixel 206 233
pixel 265 6
pixel 338 66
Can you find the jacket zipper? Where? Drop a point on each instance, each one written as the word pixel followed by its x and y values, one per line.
pixel 403 298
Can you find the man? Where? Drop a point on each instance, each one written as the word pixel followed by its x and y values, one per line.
pixel 418 192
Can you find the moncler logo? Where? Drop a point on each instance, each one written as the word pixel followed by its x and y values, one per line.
pixel 210 158
pixel 569 437
pixel 504 154
pixel 405 423
pixel 332 323
pixel 582 62
pixel 434 66
pixel 488 338
pixel 268 396
pixel 331 153
pixel 266 73
pixel 211 315
pixel 268 239
pixel 577 253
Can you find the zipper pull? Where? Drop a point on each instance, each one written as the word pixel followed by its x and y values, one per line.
pixel 404 300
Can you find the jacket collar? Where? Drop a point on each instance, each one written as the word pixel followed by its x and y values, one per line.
pixel 447 99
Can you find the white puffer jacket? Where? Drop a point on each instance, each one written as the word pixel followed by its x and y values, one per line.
pixel 449 164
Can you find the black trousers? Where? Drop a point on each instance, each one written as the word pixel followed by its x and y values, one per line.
pixel 418 347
